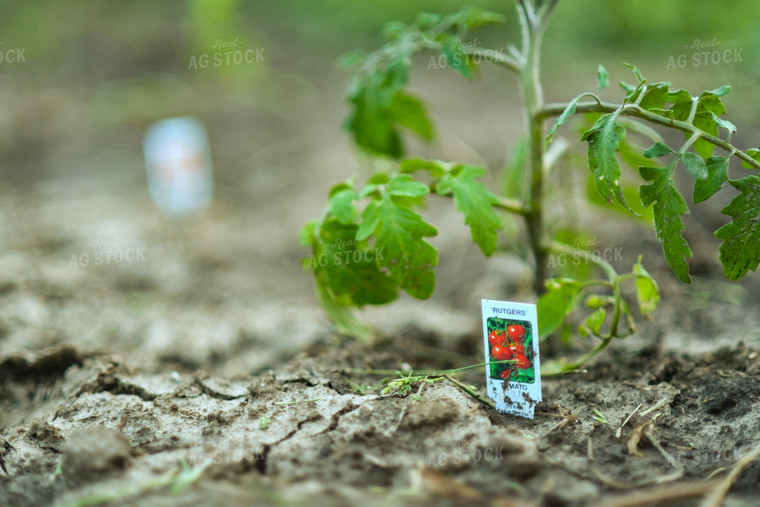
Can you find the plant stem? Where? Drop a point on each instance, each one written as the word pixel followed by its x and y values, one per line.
pixel 511 205
pixel 533 99
pixel 495 57
pixel 550 110
pixel 586 357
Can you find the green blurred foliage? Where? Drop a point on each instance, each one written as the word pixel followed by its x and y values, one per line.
pixel 145 45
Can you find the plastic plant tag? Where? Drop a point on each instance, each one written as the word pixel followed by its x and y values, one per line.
pixel 510 332
pixel 178 165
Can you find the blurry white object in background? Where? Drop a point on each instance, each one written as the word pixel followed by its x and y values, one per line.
pixel 178 164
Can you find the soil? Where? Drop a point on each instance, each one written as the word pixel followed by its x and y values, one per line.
pixel 207 375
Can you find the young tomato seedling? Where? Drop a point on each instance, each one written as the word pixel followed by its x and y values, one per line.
pixel 370 242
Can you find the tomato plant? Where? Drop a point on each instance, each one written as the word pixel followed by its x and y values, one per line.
pixel 376 220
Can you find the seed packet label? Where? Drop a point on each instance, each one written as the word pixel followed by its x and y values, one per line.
pixel 178 165
pixel 513 366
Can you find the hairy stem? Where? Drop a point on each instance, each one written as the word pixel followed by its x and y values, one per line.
pixel 550 110
pixel 533 99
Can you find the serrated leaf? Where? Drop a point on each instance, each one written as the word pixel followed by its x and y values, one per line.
pixel 695 165
pixel 476 203
pixel 404 185
pixel 717 174
pixel 408 111
pixel 399 232
pixel 348 277
pixel 754 153
pixel 635 71
pixel 725 124
pixel 456 58
pixel 427 20
pixel 709 108
pixel 602 78
pixel 370 219
pixel 410 165
pixel 740 251
pixel 723 90
pixel 647 292
pixel 681 101
pixel 470 17
pixel 654 97
pixel 563 118
pixel 340 315
pixel 306 234
pixel 629 89
pixel 555 304
pixel 603 140
pixel 595 320
pixel 351 59
pixel 658 150
pixel 342 205
pixel 632 198
pixel 668 208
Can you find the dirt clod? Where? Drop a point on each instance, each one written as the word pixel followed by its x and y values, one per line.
pixel 90 453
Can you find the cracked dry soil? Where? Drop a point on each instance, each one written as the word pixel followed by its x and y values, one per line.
pixel 83 425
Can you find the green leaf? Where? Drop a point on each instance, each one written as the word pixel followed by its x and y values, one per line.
pixel 555 304
pixel 717 174
pixel 669 205
pixel 654 97
pixel 635 71
pixel 632 198
pixel 709 107
pixel 720 92
pixel 596 320
pixel 410 165
pixel 404 185
pixel 695 165
pixel 603 139
pixel 602 78
pixel 370 219
pixel 754 153
pixel 306 235
pixel 681 101
pixel 647 292
pixel 470 17
pixel 346 271
pixel 408 111
pixel 456 58
pixel 724 124
pixel 476 203
pixel 351 59
pixel 407 257
pixel 340 316
pixel 740 251
pixel 342 205
pixel 563 118
pixel 658 150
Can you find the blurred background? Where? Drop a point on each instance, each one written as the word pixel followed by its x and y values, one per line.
pixel 224 289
